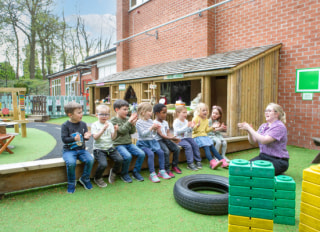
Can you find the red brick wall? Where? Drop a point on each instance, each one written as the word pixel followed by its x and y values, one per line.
pixel 239 24
pixel 185 38
pixel 295 24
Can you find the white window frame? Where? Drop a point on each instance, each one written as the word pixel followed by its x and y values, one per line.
pixel 56 87
pixel 137 3
pixel 72 85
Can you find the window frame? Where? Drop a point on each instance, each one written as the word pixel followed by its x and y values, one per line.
pixel 138 3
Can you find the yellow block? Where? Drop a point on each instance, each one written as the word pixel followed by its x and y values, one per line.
pixel 310 221
pixel 234 228
pixel 310 199
pixel 305 228
pixel 309 210
pixel 310 187
pixel 312 174
pixel 250 222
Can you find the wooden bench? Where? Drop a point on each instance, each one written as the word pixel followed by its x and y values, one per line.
pixel 41 173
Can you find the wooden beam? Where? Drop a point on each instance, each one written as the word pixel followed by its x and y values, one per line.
pixel 6 90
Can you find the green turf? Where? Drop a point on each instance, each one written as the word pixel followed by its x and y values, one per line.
pixel 29 148
pixel 85 118
pixel 139 206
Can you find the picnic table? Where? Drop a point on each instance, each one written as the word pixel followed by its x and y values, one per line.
pixel 5 139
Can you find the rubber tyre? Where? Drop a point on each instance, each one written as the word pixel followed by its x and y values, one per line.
pixel 211 204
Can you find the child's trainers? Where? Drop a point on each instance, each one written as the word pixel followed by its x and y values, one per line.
pixel 176 169
pixel 153 177
pixel 86 183
pixel 171 174
pixel 137 176
pixel 192 167
pixel 112 176
pixel 126 178
pixel 100 182
pixel 199 165
pixel 71 188
pixel 163 174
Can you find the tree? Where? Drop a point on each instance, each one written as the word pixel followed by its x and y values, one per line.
pixel 8 20
pixel 6 71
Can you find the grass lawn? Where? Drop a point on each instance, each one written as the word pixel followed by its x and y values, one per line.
pixel 139 206
pixel 60 121
pixel 30 148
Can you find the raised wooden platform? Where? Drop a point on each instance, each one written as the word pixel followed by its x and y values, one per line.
pixel 41 173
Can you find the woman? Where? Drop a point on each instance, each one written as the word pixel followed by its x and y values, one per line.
pixel 271 137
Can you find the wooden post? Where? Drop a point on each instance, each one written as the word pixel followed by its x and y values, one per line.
pixel 15 110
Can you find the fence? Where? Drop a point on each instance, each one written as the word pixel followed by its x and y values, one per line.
pixel 46 105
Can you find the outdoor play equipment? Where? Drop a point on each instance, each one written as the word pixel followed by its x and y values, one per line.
pixel 310 200
pixel 18 113
pixel 257 198
pixel 186 195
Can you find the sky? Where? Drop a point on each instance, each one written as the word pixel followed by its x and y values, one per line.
pixel 85 7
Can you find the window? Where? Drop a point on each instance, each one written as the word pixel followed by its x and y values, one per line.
pixel 107 70
pixel 72 85
pixel 56 87
pixel 136 3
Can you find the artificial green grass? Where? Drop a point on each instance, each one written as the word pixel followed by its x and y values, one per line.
pixel 60 121
pixel 29 148
pixel 139 206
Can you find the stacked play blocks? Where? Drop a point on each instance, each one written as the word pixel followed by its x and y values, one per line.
pixel 310 200
pixel 284 200
pixel 251 196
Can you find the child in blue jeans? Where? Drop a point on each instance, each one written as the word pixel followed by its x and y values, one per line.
pixel 73 134
pixel 147 130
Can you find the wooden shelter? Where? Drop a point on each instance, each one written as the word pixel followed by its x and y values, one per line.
pixel 242 82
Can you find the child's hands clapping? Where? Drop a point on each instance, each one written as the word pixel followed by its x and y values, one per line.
pixel 87 135
pixel 191 124
pixel 133 118
pixel 106 125
pixel 77 137
pixel 116 127
pixel 155 126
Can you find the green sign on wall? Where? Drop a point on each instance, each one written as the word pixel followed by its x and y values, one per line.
pixel 308 80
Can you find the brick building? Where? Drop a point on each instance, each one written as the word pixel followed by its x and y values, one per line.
pixel 234 25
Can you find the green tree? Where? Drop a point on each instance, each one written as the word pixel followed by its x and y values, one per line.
pixel 6 71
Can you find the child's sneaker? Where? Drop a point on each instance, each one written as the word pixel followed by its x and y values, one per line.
pixel 86 183
pixel 192 167
pixel 163 174
pixel 71 188
pixel 215 164
pixel 100 182
pixel 224 164
pixel 153 177
pixel 225 157
pixel 171 174
pixel 176 169
pixel 199 165
pixel 126 178
pixel 137 176
pixel 112 176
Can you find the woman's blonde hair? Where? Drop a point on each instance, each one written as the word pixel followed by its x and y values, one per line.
pixel 178 110
pixel 143 108
pixel 277 108
pixel 200 106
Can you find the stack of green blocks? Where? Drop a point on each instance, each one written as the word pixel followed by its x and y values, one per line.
pixel 251 195
pixel 284 202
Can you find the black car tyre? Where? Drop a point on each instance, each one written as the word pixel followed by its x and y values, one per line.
pixel 213 204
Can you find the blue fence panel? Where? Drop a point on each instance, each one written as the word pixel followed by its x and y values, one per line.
pixel 54 106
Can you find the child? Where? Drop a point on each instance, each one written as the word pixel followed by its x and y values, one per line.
pixel 73 134
pixel 103 133
pixel 199 134
pixel 215 135
pixel 123 140
pixel 166 140
pixel 147 130
pixel 182 129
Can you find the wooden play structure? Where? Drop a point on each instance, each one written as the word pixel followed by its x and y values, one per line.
pixel 17 115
